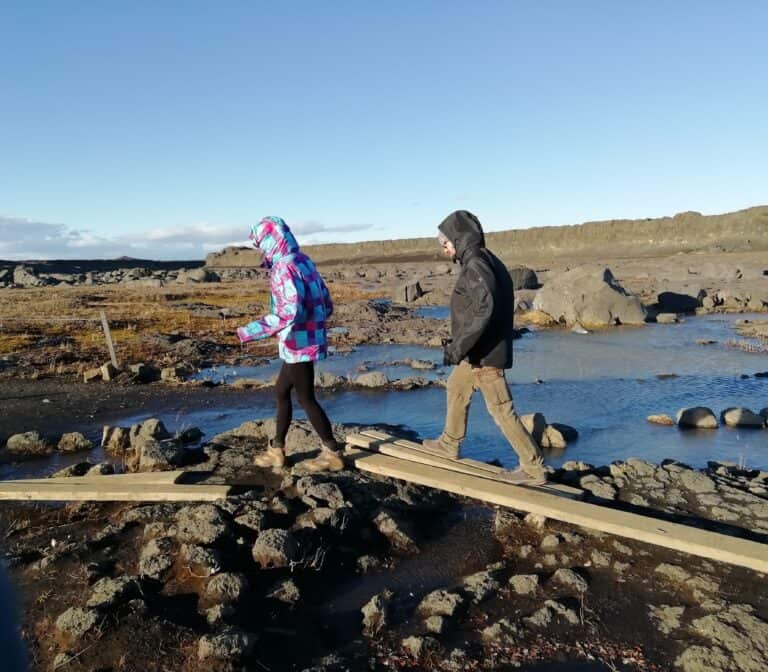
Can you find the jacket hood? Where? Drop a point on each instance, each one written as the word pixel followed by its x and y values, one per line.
pixel 275 240
pixel 464 230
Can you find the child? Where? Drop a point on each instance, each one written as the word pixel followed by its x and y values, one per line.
pixel 299 307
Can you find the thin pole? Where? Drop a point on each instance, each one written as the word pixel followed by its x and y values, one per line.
pixel 108 336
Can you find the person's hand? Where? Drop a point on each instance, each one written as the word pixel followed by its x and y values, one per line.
pixel 242 335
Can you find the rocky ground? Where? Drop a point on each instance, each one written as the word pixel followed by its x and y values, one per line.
pixel 175 329
pixel 346 571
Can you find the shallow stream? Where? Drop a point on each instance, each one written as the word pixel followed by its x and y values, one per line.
pixel 604 384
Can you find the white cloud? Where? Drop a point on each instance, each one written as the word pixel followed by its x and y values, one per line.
pixel 22 238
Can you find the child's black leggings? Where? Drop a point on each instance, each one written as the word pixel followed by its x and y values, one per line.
pixel 301 377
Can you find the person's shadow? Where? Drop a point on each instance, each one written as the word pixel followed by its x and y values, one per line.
pixel 11 645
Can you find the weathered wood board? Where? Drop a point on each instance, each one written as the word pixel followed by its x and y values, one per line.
pixel 702 543
pixel 97 491
pixel 492 468
pixel 148 477
pixel 411 450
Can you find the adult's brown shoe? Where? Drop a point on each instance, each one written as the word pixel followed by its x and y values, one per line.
pixel 521 477
pixel 439 448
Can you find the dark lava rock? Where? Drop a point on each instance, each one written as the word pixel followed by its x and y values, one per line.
pixel 376 613
pixel 275 548
pixel 76 621
pixel 202 524
pixel 226 645
pixel 227 587
pixel 108 593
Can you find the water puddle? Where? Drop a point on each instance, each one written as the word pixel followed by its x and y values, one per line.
pixel 433 312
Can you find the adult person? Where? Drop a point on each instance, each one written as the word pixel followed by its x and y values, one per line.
pixel 482 306
pixel 299 306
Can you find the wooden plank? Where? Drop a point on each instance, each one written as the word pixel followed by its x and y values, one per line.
pixel 407 453
pixel 683 538
pixel 106 492
pixel 149 477
pixel 492 468
pixel 379 441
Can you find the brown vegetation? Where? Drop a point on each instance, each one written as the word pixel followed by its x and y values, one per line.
pixel 60 328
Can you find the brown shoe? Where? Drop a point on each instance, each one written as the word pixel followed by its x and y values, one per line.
pixel 273 457
pixel 437 447
pixel 327 460
pixel 521 477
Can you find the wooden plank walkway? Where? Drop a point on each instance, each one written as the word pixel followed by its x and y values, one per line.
pixel 387 444
pixel 683 538
pixel 160 486
pixel 146 477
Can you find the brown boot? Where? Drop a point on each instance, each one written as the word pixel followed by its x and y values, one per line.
pixel 521 477
pixel 273 456
pixel 437 447
pixel 327 460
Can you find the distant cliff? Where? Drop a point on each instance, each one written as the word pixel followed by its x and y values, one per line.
pixel 685 232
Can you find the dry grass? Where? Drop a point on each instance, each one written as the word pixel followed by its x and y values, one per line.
pixel 61 326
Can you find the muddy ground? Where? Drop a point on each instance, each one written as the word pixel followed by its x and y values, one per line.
pixel 512 592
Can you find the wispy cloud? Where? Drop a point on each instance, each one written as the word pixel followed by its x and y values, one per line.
pixel 22 238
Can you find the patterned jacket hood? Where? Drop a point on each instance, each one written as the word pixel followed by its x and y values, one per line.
pixel 275 240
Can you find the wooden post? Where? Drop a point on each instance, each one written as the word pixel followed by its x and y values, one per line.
pixel 108 336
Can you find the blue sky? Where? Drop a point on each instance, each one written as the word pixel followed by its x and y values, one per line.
pixel 163 130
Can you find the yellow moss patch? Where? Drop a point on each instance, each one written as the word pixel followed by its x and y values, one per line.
pixel 536 318
pixel 11 344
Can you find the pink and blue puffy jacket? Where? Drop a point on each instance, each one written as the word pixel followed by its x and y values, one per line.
pixel 300 303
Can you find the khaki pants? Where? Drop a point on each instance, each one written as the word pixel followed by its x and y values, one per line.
pixel 462 383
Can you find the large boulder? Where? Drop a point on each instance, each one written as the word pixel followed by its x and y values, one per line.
pixel 523 278
pixel 684 301
pixel 590 296
pixel 535 424
pixel 742 417
pixel 698 417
